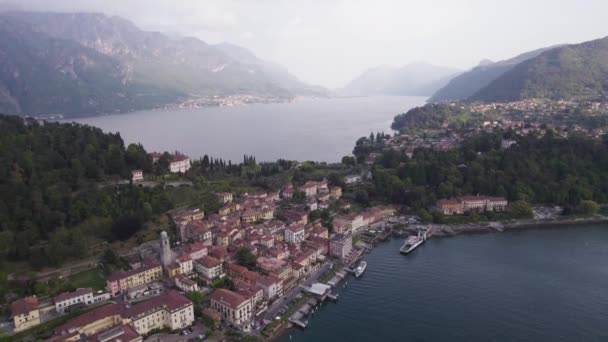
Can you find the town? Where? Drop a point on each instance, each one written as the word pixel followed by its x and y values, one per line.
pixel 248 264
pixel 449 124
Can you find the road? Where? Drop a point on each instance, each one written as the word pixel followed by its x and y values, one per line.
pixel 274 309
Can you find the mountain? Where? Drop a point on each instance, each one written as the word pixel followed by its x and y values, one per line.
pixel 568 72
pixel 42 74
pixel 103 64
pixel 468 83
pixel 274 71
pixel 417 79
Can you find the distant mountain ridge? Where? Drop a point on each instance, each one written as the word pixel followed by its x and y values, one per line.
pixel 470 82
pixel 416 79
pixel 274 71
pixel 568 72
pixel 119 67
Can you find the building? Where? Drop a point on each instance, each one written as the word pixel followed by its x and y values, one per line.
pixel 340 245
pixel 170 310
pixel 179 163
pixel 450 206
pixel 224 197
pixel 185 284
pixel 195 250
pixel 271 285
pixel 83 296
pixel 155 156
pixel 120 281
pixel 348 223
pixel 352 180
pixel 309 188
pixel 187 215
pixel 461 205
pixel 312 205
pixel 209 269
pixel 240 273
pixel 287 191
pixel 294 233
pixel 122 333
pixel 137 176
pixel 25 313
pixel 507 143
pixel 166 256
pixel 233 307
pixel 336 193
pixel 186 266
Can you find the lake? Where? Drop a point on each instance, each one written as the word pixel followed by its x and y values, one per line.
pixel 306 129
pixel 539 285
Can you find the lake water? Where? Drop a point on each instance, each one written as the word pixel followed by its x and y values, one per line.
pixel 542 285
pixel 306 129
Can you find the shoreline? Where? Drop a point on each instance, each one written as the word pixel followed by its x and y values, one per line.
pixel 517 225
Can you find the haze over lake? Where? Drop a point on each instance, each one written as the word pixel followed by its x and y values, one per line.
pixel 306 129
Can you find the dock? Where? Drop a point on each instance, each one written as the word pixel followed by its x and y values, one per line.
pixel 298 322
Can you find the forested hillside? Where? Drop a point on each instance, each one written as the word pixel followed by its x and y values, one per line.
pixel 50 194
pixel 568 72
pixel 548 170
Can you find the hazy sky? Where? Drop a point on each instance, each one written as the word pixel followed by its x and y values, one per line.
pixel 328 42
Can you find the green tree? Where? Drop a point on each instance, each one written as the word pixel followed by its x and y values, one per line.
pixel 244 257
pixel 521 209
pixel 588 207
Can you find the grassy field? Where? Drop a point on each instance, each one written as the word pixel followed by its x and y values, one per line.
pixel 90 278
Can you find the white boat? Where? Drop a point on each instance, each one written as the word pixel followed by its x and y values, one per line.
pixel 412 243
pixel 360 269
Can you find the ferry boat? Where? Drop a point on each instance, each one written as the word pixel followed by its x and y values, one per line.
pixel 412 243
pixel 360 269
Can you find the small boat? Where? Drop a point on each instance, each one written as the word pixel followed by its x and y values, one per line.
pixel 360 269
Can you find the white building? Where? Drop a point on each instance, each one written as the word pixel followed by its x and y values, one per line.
pixel 137 176
pixel 170 310
pixel 234 308
pixel 185 284
pixel 84 296
pixel 209 268
pixel 179 163
pixel 352 179
pixel 294 234
pixel 271 285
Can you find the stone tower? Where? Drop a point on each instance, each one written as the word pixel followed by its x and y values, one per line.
pixel 165 249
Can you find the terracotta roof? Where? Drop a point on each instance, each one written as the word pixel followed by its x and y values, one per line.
pixel 69 295
pixel 208 261
pixel 227 297
pixel 24 305
pixel 147 265
pixel 268 280
pixel 184 258
pixel 89 317
pixel 179 157
pixel 296 228
pixel 171 301
pixel 214 315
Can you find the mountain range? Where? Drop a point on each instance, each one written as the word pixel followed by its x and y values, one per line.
pixel 577 71
pixel 470 82
pixel 416 79
pixel 570 72
pixel 100 64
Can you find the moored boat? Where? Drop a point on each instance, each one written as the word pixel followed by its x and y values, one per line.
pixel 360 269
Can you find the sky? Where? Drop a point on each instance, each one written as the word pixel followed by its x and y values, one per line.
pixel 329 42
